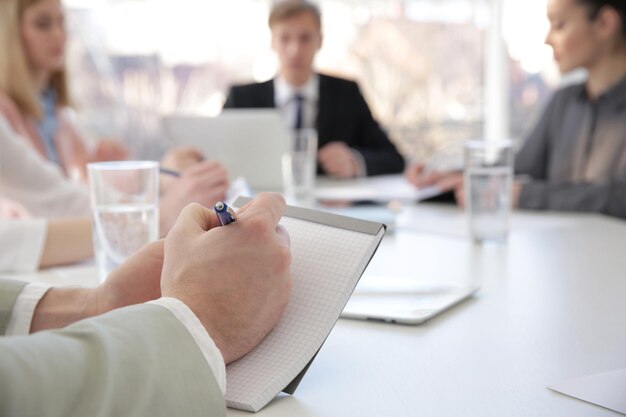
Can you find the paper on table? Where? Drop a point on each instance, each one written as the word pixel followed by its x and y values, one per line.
pixel 382 188
pixel 607 389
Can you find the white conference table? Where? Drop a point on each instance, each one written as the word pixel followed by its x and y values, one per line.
pixel 551 307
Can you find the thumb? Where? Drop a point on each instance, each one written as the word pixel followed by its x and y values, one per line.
pixel 196 219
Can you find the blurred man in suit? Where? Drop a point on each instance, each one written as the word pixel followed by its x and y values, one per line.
pixel 351 142
pixel 153 339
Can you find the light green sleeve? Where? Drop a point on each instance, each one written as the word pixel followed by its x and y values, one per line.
pixel 135 361
pixel 9 290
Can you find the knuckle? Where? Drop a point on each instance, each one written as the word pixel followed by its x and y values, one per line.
pixel 257 225
pixel 191 208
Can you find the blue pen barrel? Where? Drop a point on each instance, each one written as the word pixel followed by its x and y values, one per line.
pixel 225 215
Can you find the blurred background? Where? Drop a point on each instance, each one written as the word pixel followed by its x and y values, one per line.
pixel 435 72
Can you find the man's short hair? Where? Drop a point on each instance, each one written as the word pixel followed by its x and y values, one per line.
pixel 285 9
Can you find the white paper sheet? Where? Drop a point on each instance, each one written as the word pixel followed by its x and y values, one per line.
pixel 382 188
pixel 607 389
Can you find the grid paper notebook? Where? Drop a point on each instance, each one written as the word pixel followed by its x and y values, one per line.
pixel 329 255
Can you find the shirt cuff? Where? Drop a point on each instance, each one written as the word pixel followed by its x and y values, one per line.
pixel 361 169
pixel 202 338
pixel 27 237
pixel 24 309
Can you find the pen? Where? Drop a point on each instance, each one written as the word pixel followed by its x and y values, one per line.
pixel 169 172
pixel 225 214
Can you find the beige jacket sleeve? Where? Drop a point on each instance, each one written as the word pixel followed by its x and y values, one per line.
pixel 135 361
pixel 21 244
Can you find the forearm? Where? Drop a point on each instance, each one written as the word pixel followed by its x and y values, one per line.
pixel 60 307
pixel 386 160
pixel 606 198
pixel 67 241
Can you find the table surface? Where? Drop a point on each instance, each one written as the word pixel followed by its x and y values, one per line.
pixel 551 307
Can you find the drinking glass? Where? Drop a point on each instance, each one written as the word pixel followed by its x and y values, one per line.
pixel 300 166
pixel 488 184
pixel 124 202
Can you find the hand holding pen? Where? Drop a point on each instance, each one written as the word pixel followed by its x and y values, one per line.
pixel 236 280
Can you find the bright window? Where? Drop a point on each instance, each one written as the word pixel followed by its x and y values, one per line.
pixel 420 63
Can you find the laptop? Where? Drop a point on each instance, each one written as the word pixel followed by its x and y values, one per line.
pixel 250 143
pixel 400 300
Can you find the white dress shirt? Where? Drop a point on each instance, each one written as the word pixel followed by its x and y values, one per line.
pixel 38 185
pixel 285 101
pixel 26 302
pixel 21 244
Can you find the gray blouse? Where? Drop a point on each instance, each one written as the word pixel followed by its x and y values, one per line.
pixel 576 155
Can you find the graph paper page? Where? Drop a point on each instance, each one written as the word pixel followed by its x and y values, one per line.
pixel 327 263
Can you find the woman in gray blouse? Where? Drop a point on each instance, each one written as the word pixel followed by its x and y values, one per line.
pixel 575 158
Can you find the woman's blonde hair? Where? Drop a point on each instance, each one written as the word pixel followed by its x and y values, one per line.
pixel 15 75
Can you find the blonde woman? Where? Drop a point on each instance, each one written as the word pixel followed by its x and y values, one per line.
pixel 34 94
pixel 34 100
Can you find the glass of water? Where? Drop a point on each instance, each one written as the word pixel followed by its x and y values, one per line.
pixel 300 166
pixel 488 187
pixel 124 201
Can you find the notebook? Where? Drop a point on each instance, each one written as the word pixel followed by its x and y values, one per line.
pixel 250 143
pixel 329 255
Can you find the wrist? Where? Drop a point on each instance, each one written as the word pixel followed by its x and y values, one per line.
pixel 60 307
pixel 208 323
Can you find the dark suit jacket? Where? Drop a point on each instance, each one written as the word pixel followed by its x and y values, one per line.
pixel 343 115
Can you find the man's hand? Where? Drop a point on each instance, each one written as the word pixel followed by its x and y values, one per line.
pixel 234 278
pixel 338 160
pixel 135 281
pixel 205 183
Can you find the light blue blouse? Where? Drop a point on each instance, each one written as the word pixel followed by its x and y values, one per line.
pixel 49 124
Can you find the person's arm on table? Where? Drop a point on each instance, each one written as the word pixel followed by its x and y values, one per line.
pixel 144 359
pixel 378 152
pixel 606 198
pixel 371 153
pixel 28 244
pixel 67 241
